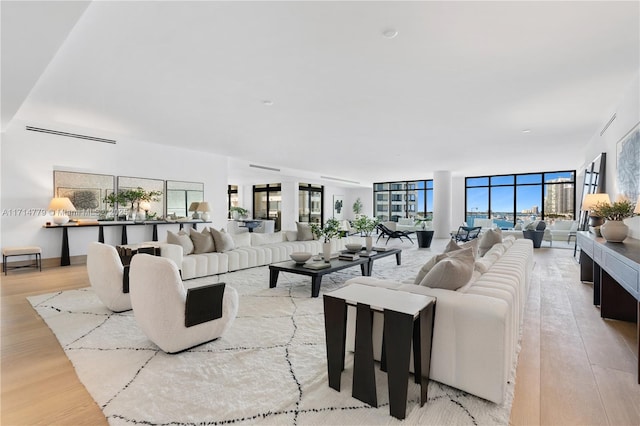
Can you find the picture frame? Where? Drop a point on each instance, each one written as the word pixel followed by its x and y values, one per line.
pixel 628 164
pixel 86 191
pixel 338 207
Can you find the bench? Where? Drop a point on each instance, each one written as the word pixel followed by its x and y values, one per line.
pixel 22 251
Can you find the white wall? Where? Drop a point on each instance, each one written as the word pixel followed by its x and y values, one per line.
pixel 627 112
pixel 29 158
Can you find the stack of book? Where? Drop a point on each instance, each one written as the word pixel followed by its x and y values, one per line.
pixel 349 256
pixel 317 265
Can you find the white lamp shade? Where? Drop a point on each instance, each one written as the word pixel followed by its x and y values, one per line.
pixel 194 206
pixel 637 209
pixel 61 205
pixel 590 201
pixel 145 205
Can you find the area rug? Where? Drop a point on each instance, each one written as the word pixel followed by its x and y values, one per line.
pixel 269 368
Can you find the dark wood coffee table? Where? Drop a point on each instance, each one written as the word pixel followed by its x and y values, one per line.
pixel 315 274
pixel 365 262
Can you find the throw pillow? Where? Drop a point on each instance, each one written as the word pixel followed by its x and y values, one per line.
pixel 452 272
pixel 291 235
pixel 202 241
pixel 488 239
pixel 452 246
pixel 222 240
pixel 462 252
pixel 518 227
pixel 181 239
pixel 242 239
pixel 304 232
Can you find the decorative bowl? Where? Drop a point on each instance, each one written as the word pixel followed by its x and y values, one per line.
pixel 300 256
pixel 353 247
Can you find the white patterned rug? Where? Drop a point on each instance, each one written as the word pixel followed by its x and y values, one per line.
pixel 269 368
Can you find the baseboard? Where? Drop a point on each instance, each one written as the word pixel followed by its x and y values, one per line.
pixel 51 262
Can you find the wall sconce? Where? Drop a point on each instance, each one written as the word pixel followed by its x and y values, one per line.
pixel 204 208
pixel 60 207
pixel 194 208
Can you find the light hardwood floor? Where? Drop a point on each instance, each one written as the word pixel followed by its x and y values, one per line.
pixel 574 368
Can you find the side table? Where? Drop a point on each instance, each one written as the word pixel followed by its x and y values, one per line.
pixel 424 238
pixel 407 317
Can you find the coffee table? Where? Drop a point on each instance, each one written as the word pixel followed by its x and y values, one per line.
pixel 315 274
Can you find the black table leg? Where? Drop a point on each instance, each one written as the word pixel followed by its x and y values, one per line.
pixel 155 232
pixel 364 378
pixel 273 277
pixel 423 354
pixel 65 260
pixel 315 285
pixel 364 269
pixel 398 330
pixel 399 258
pixel 335 326
pixel 124 238
pixel 101 234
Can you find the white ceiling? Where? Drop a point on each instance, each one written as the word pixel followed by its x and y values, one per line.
pixel 453 91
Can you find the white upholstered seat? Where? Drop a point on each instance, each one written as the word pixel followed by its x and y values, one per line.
pixel 159 302
pixel 106 276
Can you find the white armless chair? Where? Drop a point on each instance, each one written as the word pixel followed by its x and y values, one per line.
pixel 106 276
pixel 173 318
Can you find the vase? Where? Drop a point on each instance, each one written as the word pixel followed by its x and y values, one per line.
pixel 326 251
pixel 368 241
pixel 614 231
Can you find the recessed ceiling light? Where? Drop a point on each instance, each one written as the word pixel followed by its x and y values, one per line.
pixel 267 102
pixel 389 33
pixel 526 131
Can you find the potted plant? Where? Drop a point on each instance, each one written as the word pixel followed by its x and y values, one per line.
pixel 238 212
pixel 331 229
pixel 365 226
pixel 614 229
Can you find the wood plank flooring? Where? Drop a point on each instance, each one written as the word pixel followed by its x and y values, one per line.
pixel 574 368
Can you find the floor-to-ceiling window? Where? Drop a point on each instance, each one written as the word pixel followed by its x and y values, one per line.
pixel 403 199
pixel 310 203
pixel 519 198
pixel 267 200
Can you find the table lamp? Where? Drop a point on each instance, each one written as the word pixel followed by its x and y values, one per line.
pixel 145 206
pixel 194 208
pixel 637 209
pixel 589 203
pixel 205 209
pixel 60 207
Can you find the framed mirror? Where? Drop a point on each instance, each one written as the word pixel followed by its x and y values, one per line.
pixel 594 183
pixel 156 208
pixel 180 195
pixel 86 191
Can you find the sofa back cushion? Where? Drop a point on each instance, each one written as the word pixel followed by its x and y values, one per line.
pixel 269 238
pixel 242 239
pixel 202 241
pixel 451 272
pixel 181 239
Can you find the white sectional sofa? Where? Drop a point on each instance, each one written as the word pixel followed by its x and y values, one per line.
pixel 251 249
pixel 477 327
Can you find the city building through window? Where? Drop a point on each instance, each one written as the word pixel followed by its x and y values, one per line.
pixel 403 199
pixel 310 203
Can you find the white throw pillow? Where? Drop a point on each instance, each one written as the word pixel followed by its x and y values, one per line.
pixel 488 239
pixel 304 232
pixel 291 235
pixel 242 239
pixel 431 263
pixel 453 245
pixel 181 239
pixel 452 272
pixel 222 240
pixel 202 241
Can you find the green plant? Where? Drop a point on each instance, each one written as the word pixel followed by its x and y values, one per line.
pixel 616 211
pixel 357 206
pixel 330 230
pixel 241 211
pixel 365 225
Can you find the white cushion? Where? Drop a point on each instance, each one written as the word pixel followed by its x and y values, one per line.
pixel 242 239
pixel 488 239
pixel 304 232
pixel 451 272
pixel 181 239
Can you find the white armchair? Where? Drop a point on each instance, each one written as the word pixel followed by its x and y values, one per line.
pixel 173 318
pixel 106 275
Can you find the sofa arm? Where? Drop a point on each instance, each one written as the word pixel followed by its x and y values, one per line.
pixel 172 252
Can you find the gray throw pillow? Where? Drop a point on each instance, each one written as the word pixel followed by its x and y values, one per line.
pixel 453 246
pixel 488 239
pixel 181 239
pixel 222 240
pixel 460 252
pixel 304 232
pixel 202 241
pixel 452 272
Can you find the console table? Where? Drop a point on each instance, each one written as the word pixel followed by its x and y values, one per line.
pixel 614 269
pixel 64 254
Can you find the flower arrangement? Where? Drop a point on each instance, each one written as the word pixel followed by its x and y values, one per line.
pixel 330 230
pixel 365 225
pixel 616 211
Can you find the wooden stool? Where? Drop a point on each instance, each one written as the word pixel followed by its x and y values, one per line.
pixel 22 251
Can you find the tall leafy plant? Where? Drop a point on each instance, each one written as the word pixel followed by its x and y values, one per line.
pixel 331 229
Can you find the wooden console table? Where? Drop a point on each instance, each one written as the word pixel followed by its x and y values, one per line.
pixel 614 269
pixel 64 254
